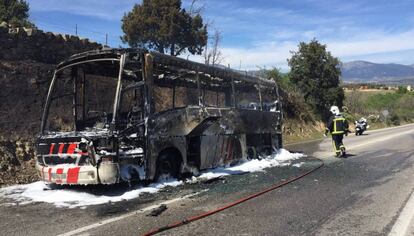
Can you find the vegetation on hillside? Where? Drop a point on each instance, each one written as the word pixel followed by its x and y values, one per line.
pixel 389 107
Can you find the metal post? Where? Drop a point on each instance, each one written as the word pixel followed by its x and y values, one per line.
pixel 118 88
pixel 149 83
pixel 260 97
pixel 74 100
pixel 173 96
pixel 83 94
pixel 233 93
pixel 200 95
pixel 46 108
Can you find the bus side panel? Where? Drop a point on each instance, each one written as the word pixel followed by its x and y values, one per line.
pixel 217 150
pixel 262 130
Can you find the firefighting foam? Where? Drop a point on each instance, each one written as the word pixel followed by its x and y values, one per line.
pixel 72 198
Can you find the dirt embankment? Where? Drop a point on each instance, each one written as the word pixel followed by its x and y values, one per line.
pixel 24 87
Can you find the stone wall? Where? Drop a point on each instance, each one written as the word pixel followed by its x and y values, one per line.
pixel 34 44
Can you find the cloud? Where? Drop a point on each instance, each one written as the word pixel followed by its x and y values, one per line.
pixel 263 56
pixel 107 10
pixel 378 46
pixel 372 43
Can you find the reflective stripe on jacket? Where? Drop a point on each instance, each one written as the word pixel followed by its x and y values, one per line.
pixel 337 125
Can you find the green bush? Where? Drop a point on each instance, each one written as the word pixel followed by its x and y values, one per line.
pixel 399 104
pixel 394 120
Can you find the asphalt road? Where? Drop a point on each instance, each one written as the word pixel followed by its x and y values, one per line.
pixel 367 193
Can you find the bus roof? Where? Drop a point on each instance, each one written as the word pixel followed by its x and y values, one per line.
pixel 114 54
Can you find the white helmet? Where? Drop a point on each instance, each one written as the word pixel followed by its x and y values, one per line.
pixel 335 110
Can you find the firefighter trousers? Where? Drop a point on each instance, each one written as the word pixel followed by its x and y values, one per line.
pixel 337 143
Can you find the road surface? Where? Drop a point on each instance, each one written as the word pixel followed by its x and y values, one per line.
pixel 368 193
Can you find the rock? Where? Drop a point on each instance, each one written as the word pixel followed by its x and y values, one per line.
pixel 157 211
pixel 30 31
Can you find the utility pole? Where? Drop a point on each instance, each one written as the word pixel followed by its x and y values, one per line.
pixel 106 39
pixel 76 29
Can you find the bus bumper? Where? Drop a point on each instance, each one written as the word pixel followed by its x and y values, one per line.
pixel 107 173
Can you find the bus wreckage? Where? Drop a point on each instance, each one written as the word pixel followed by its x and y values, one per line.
pixel 118 115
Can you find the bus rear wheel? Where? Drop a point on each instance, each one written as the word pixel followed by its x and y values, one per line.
pixel 168 165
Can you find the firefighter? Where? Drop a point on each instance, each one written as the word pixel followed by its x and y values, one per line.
pixel 337 126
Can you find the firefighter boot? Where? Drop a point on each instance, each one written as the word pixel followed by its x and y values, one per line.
pixel 343 152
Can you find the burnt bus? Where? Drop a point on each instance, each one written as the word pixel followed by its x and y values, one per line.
pixel 117 115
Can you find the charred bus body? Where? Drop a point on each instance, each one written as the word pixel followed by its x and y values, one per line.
pixel 128 114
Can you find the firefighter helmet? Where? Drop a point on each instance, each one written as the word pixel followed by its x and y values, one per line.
pixel 335 110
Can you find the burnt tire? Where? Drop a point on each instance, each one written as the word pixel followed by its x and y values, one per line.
pixel 168 164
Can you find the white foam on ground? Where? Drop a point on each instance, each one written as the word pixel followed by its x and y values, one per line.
pixel 40 192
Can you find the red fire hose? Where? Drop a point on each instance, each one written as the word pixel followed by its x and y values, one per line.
pixel 231 204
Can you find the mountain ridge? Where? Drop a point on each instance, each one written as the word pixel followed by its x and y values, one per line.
pixel 365 71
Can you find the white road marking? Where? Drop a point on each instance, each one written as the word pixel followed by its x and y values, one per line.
pixel 382 139
pixel 111 220
pixel 402 224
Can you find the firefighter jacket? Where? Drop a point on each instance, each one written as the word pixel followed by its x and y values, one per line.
pixel 337 125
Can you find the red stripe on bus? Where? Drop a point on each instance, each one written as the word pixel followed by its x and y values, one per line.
pixel 52 146
pixel 59 171
pixel 50 174
pixel 73 174
pixel 61 146
pixel 71 148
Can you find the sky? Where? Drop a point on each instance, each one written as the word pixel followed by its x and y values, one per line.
pixel 260 34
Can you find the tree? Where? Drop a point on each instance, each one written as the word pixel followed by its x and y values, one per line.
pixel 164 26
pixel 15 13
pixel 213 55
pixel 316 73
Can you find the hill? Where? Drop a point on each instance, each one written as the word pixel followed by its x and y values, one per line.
pixel 363 71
